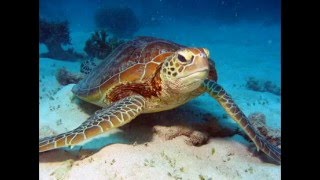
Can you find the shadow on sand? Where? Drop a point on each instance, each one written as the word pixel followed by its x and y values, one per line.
pixel 141 131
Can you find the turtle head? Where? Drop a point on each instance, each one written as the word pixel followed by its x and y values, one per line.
pixel 186 69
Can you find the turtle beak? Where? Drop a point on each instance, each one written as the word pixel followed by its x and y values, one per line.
pixel 199 64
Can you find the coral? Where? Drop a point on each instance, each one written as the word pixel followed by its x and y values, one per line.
pixel 198 132
pixel 99 46
pixel 262 86
pixel 195 138
pixel 198 138
pixel 171 132
pixel 121 22
pixel 258 120
pixel 254 84
pixel 65 77
pixel 190 121
pixel 270 87
pixel 54 35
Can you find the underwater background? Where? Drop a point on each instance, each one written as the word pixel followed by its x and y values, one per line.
pixel 195 141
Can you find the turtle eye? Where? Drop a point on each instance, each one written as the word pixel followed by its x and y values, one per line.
pixel 181 58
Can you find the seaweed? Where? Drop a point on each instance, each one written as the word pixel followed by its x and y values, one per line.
pixel 121 22
pixel 99 46
pixel 54 34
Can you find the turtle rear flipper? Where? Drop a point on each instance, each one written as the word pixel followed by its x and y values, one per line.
pixel 225 100
pixel 113 116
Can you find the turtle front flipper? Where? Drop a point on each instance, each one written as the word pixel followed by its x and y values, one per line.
pixel 225 100
pixel 113 116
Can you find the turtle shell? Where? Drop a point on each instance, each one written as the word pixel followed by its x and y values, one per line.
pixel 134 62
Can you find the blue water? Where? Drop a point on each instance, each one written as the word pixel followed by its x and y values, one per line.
pixel 213 24
pixel 243 36
pixel 81 12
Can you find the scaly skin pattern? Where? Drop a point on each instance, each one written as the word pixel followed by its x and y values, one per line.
pixel 225 100
pixel 149 75
pixel 103 120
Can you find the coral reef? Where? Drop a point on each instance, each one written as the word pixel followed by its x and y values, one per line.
pixel 64 77
pixel 99 46
pixel 262 86
pixel 121 22
pixel 54 35
pixel 196 138
pixel 197 133
pixel 258 120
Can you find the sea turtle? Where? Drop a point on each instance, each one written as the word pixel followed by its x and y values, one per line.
pixel 148 75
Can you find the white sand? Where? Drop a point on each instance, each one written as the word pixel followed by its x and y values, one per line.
pixel 153 157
